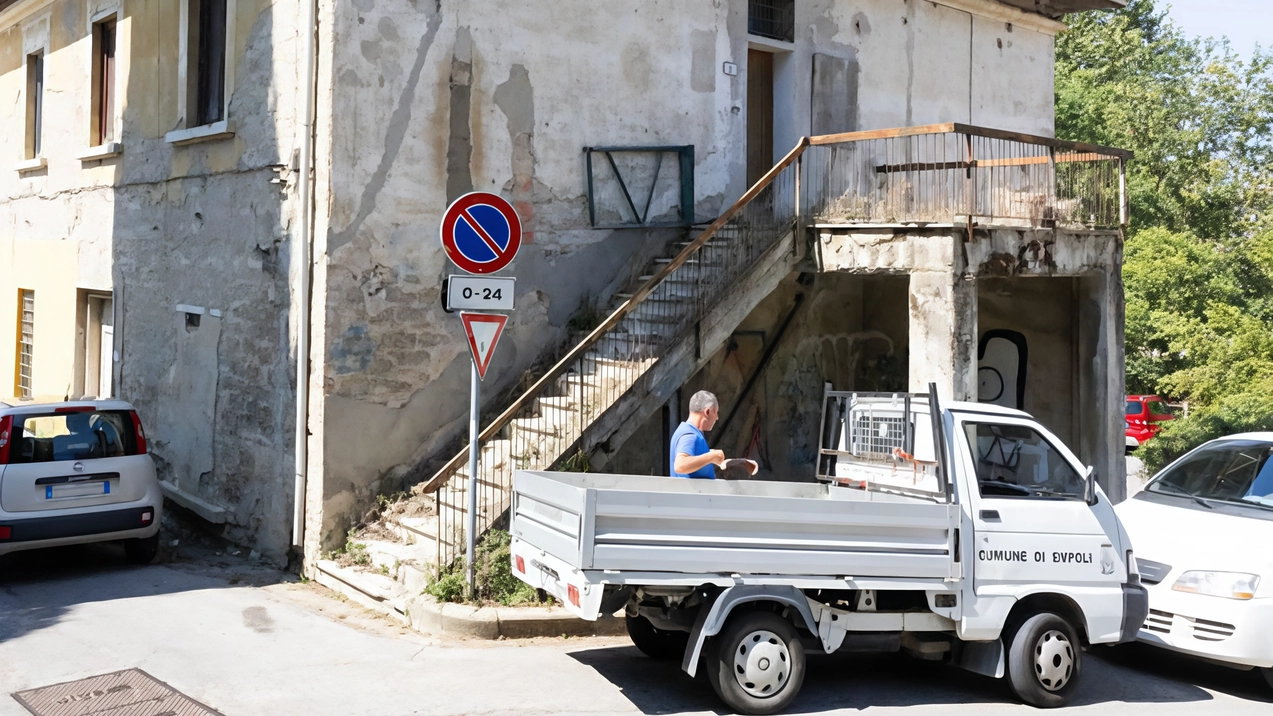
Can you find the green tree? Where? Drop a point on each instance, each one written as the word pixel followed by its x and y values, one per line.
pixel 1198 261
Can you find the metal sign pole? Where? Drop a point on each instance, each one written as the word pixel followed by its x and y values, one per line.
pixel 470 521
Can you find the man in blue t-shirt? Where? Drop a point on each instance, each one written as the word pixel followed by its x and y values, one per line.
pixel 691 456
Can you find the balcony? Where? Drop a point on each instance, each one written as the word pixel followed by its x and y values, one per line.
pixel 948 174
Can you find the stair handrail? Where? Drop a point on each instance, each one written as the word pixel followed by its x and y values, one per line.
pixel 563 365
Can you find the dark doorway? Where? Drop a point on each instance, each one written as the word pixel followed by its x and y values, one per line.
pixel 760 114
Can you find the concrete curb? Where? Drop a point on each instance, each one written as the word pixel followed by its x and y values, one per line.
pixel 428 616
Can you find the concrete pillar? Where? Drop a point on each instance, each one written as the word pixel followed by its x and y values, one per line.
pixel 1101 381
pixel 943 334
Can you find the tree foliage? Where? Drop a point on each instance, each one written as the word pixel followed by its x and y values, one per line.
pixel 1198 262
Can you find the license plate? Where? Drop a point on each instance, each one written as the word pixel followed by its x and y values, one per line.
pixel 77 489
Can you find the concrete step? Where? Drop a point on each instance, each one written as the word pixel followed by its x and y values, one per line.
pixel 560 408
pixel 374 591
pixel 406 564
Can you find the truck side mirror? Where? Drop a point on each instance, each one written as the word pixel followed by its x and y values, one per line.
pixel 1089 481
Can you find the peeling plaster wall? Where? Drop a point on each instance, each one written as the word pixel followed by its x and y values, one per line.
pixel 431 100
pixel 161 225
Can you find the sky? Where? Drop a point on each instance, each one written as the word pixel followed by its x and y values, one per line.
pixel 1244 22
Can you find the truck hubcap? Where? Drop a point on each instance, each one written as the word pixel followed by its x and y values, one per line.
pixel 1053 660
pixel 762 664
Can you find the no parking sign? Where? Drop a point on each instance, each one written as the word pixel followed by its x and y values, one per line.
pixel 481 232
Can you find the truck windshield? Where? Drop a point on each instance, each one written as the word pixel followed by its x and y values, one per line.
pixel 1235 471
pixel 1017 461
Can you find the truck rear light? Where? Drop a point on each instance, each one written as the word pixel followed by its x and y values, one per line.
pixel 138 432
pixel 6 532
pixel 519 564
pixel 6 430
pixel 572 593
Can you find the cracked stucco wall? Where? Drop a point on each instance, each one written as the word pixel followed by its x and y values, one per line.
pixel 161 225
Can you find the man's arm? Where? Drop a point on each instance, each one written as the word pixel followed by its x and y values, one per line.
pixel 686 463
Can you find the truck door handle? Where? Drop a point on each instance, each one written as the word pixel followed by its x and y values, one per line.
pixel 990 514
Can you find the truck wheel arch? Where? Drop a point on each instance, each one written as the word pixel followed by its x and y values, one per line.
pixel 1059 604
pixel 711 620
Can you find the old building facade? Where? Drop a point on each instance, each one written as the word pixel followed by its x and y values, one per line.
pixel 172 221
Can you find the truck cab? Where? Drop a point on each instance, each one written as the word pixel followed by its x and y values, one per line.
pixel 966 534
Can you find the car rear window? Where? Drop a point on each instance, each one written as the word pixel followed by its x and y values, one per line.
pixel 1133 407
pixel 72 436
pixel 1157 407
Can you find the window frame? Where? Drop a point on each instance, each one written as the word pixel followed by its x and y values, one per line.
pixel 34 63
pixel 104 115
pixel 188 77
pixel 22 343
pixel 1051 440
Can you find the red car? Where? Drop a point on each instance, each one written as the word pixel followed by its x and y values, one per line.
pixel 1144 415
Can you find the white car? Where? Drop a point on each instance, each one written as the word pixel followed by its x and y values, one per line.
pixel 77 472
pixel 1202 529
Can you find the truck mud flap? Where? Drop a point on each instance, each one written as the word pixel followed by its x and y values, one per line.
pixel 982 657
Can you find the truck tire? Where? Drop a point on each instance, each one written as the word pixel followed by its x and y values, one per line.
pixel 142 551
pixel 1044 661
pixel 656 643
pixel 757 663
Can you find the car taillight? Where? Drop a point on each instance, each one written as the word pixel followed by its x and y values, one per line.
pixel 75 409
pixel 147 516
pixel 519 564
pixel 6 428
pixel 138 432
pixel 572 593
pixel 5 532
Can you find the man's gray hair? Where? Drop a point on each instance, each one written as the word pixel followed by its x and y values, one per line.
pixel 702 400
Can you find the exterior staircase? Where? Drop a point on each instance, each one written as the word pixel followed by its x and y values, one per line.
pixel 659 333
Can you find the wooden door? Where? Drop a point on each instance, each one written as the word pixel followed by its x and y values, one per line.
pixel 760 114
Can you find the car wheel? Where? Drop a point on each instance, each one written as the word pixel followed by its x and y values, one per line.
pixel 143 550
pixel 656 643
pixel 1044 661
pixel 757 664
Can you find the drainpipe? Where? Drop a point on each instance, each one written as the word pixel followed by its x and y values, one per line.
pixel 304 288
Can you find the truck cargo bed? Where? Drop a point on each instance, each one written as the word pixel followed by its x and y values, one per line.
pixel 662 524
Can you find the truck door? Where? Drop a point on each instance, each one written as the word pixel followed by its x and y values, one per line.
pixel 1030 514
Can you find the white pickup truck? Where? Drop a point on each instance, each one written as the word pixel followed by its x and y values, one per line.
pixel 968 535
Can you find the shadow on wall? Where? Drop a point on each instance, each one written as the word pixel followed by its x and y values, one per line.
pixel 201 281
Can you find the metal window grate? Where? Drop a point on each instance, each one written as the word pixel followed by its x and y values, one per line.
pixel 775 19
pixel 26 343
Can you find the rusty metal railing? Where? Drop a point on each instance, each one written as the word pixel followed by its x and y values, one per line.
pixel 957 173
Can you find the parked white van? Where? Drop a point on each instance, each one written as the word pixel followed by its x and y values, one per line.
pixel 1203 527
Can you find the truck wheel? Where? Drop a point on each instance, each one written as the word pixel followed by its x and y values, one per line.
pixel 142 551
pixel 1044 661
pixel 656 643
pixel 757 664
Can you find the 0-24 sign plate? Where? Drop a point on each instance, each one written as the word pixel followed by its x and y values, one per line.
pixel 472 293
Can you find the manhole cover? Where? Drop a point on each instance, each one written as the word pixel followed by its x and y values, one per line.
pixel 123 693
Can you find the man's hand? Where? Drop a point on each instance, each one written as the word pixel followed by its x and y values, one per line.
pixel 717 457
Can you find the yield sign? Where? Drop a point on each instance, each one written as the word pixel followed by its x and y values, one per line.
pixel 483 331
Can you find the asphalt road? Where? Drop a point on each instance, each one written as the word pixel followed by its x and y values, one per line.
pixel 246 641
